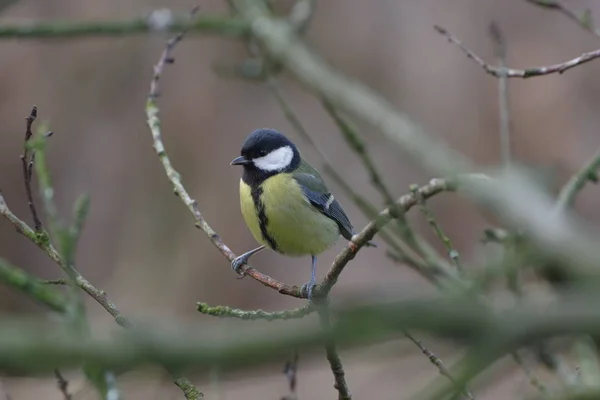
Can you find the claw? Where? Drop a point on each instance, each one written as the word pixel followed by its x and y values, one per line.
pixel 241 260
pixel 307 289
pixel 238 263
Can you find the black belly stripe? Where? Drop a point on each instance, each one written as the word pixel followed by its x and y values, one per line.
pixel 256 193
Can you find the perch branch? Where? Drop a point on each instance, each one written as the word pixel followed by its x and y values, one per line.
pixel 174 177
pixel 510 194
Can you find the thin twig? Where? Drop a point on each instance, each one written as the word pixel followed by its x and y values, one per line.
pixel 452 252
pixel 357 144
pixel 60 281
pixel 585 19
pixel 435 360
pixel 519 73
pixel 27 164
pixel 499 43
pixel 359 240
pixel 531 376
pixel 63 385
pixel 291 373
pixel 228 312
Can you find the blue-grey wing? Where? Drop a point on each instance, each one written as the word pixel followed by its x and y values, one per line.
pixel 325 202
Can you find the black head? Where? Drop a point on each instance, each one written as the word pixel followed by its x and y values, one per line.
pixel 266 152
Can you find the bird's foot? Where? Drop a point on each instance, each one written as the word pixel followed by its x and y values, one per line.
pixel 238 262
pixel 307 289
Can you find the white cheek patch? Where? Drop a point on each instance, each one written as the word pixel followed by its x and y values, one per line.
pixel 276 160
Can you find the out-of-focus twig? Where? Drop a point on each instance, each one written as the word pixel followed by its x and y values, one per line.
pixel 589 173
pixel 499 43
pixel 19 279
pixel 63 385
pixel 585 19
pixel 534 380
pixel 452 252
pixel 435 360
pixel 335 363
pixel 27 164
pixel 222 25
pixel 291 373
pixel 356 144
pixel 519 73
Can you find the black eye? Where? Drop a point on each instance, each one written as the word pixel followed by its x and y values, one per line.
pixel 262 153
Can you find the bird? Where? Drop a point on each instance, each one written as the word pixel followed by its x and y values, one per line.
pixel 286 203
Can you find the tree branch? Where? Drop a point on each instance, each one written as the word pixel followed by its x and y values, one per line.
pixel 509 194
pixel 504 72
pixel 208 24
pixel 228 312
pixel 27 348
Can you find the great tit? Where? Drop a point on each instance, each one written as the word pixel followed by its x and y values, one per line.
pixel 286 203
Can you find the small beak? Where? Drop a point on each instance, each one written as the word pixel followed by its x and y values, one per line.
pixel 241 160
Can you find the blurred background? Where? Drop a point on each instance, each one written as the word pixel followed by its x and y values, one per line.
pixel 139 242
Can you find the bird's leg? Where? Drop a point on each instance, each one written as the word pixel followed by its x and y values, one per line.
pixel 309 286
pixel 237 262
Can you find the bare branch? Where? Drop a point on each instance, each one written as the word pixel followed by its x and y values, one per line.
pixel 519 73
pixel 435 360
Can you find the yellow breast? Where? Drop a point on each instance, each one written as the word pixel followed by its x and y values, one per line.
pixel 290 225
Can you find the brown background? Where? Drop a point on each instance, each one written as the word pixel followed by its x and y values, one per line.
pixel 139 242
